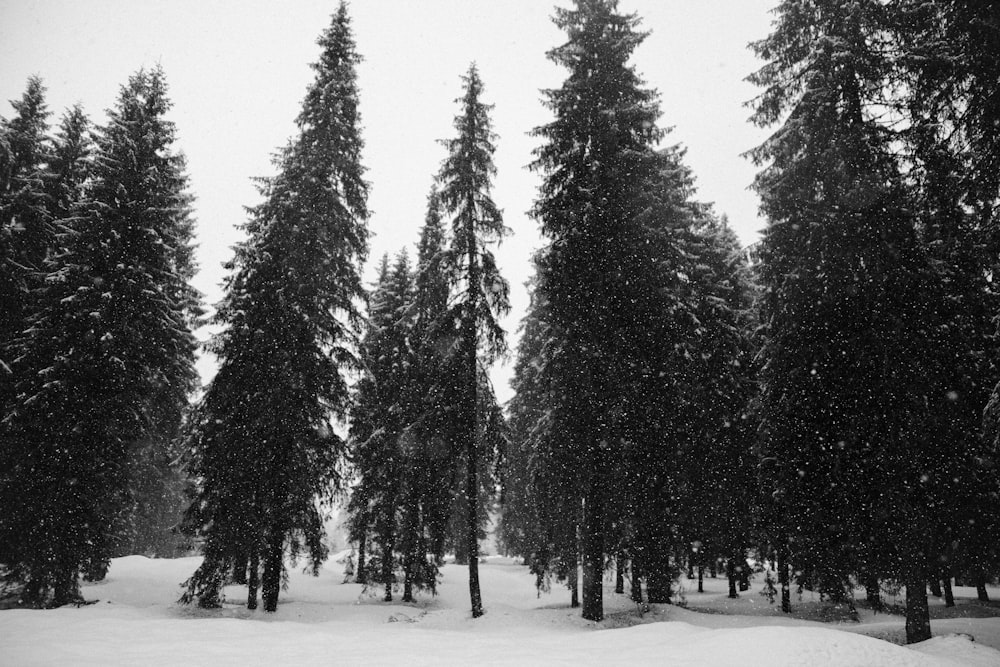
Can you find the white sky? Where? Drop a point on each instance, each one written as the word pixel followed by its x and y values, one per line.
pixel 238 69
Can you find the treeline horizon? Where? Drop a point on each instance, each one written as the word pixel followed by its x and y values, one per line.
pixel 823 403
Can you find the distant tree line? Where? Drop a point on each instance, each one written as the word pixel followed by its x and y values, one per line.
pixel 823 405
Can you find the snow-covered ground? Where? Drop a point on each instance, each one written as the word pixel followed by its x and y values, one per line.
pixel 322 621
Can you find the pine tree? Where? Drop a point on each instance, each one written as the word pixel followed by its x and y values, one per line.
pixel 947 51
pixel 540 509
pixel 719 482
pixel 401 435
pixel 108 350
pixel 480 293
pixel 70 162
pixel 365 451
pixel 846 438
pixel 26 230
pixel 520 528
pixel 263 446
pixel 433 448
pixel 598 162
pixel 386 502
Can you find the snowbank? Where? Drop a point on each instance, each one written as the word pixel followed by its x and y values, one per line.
pixel 321 621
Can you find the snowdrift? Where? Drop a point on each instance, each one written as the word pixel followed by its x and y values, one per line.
pixel 323 621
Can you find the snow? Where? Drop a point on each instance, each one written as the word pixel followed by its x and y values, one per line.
pixel 323 621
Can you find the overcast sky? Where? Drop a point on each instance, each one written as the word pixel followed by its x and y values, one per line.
pixel 238 70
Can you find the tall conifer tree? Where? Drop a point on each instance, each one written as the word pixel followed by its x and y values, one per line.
pixel 26 230
pixel 597 159
pixel 109 349
pixel 946 65
pixel 480 293
pixel 848 305
pixel 432 444
pixel 264 449
pixel 540 506
pixel 363 445
pixel 385 499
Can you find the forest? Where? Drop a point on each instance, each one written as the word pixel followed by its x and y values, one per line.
pixel 818 411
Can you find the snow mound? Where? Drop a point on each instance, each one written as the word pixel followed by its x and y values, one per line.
pixel 961 649
pixel 321 621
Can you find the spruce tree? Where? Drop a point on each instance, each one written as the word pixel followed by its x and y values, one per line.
pixel 947 51
pixel 401 431
pixel 717 470
pixel 70 161
pixel 108 350
pixel 364 448
pixel 433 447
pixel 847 443
pixel 598 159
pixel 263 446
pixel 386 502
pixel 480 293
pixel 26 230
pixel 520 527
pixel 540 508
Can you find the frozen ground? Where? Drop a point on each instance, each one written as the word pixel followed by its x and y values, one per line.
pixel 322 621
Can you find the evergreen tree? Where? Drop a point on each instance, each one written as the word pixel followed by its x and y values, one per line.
pixel 433 448
pixel 946 67
pixel 26 230
pixel 386 502
pixel 480 293
pixel 520 525
pixel 263 447
pixel 365 454
pixel 849 450
pixel 107 352
pixel 70 163
pixel 719 482
pixel 155 483
pixel 540 514
pixel 598 161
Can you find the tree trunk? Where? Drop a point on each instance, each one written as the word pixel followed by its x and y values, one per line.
pixel 636 582
pixel 731 575
pixel 253 581
pixel 65 589
pixel 659 575
pixel 240 571
pixel 408 580
pixel 471 482
pixel 918 619
pixel 271 581
pixel 620 573
pixel 658 587
pixel 471 519
pixel 981 593
pixel 361 577
pixel 935 587
pixel 786 593
pixel 873 594
pixel 410 543
pixel 949 596
pixel 573 583
pixel 701 579
pixel 387 574
pixel 593 550
pixel 744 575
pixel 210 596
